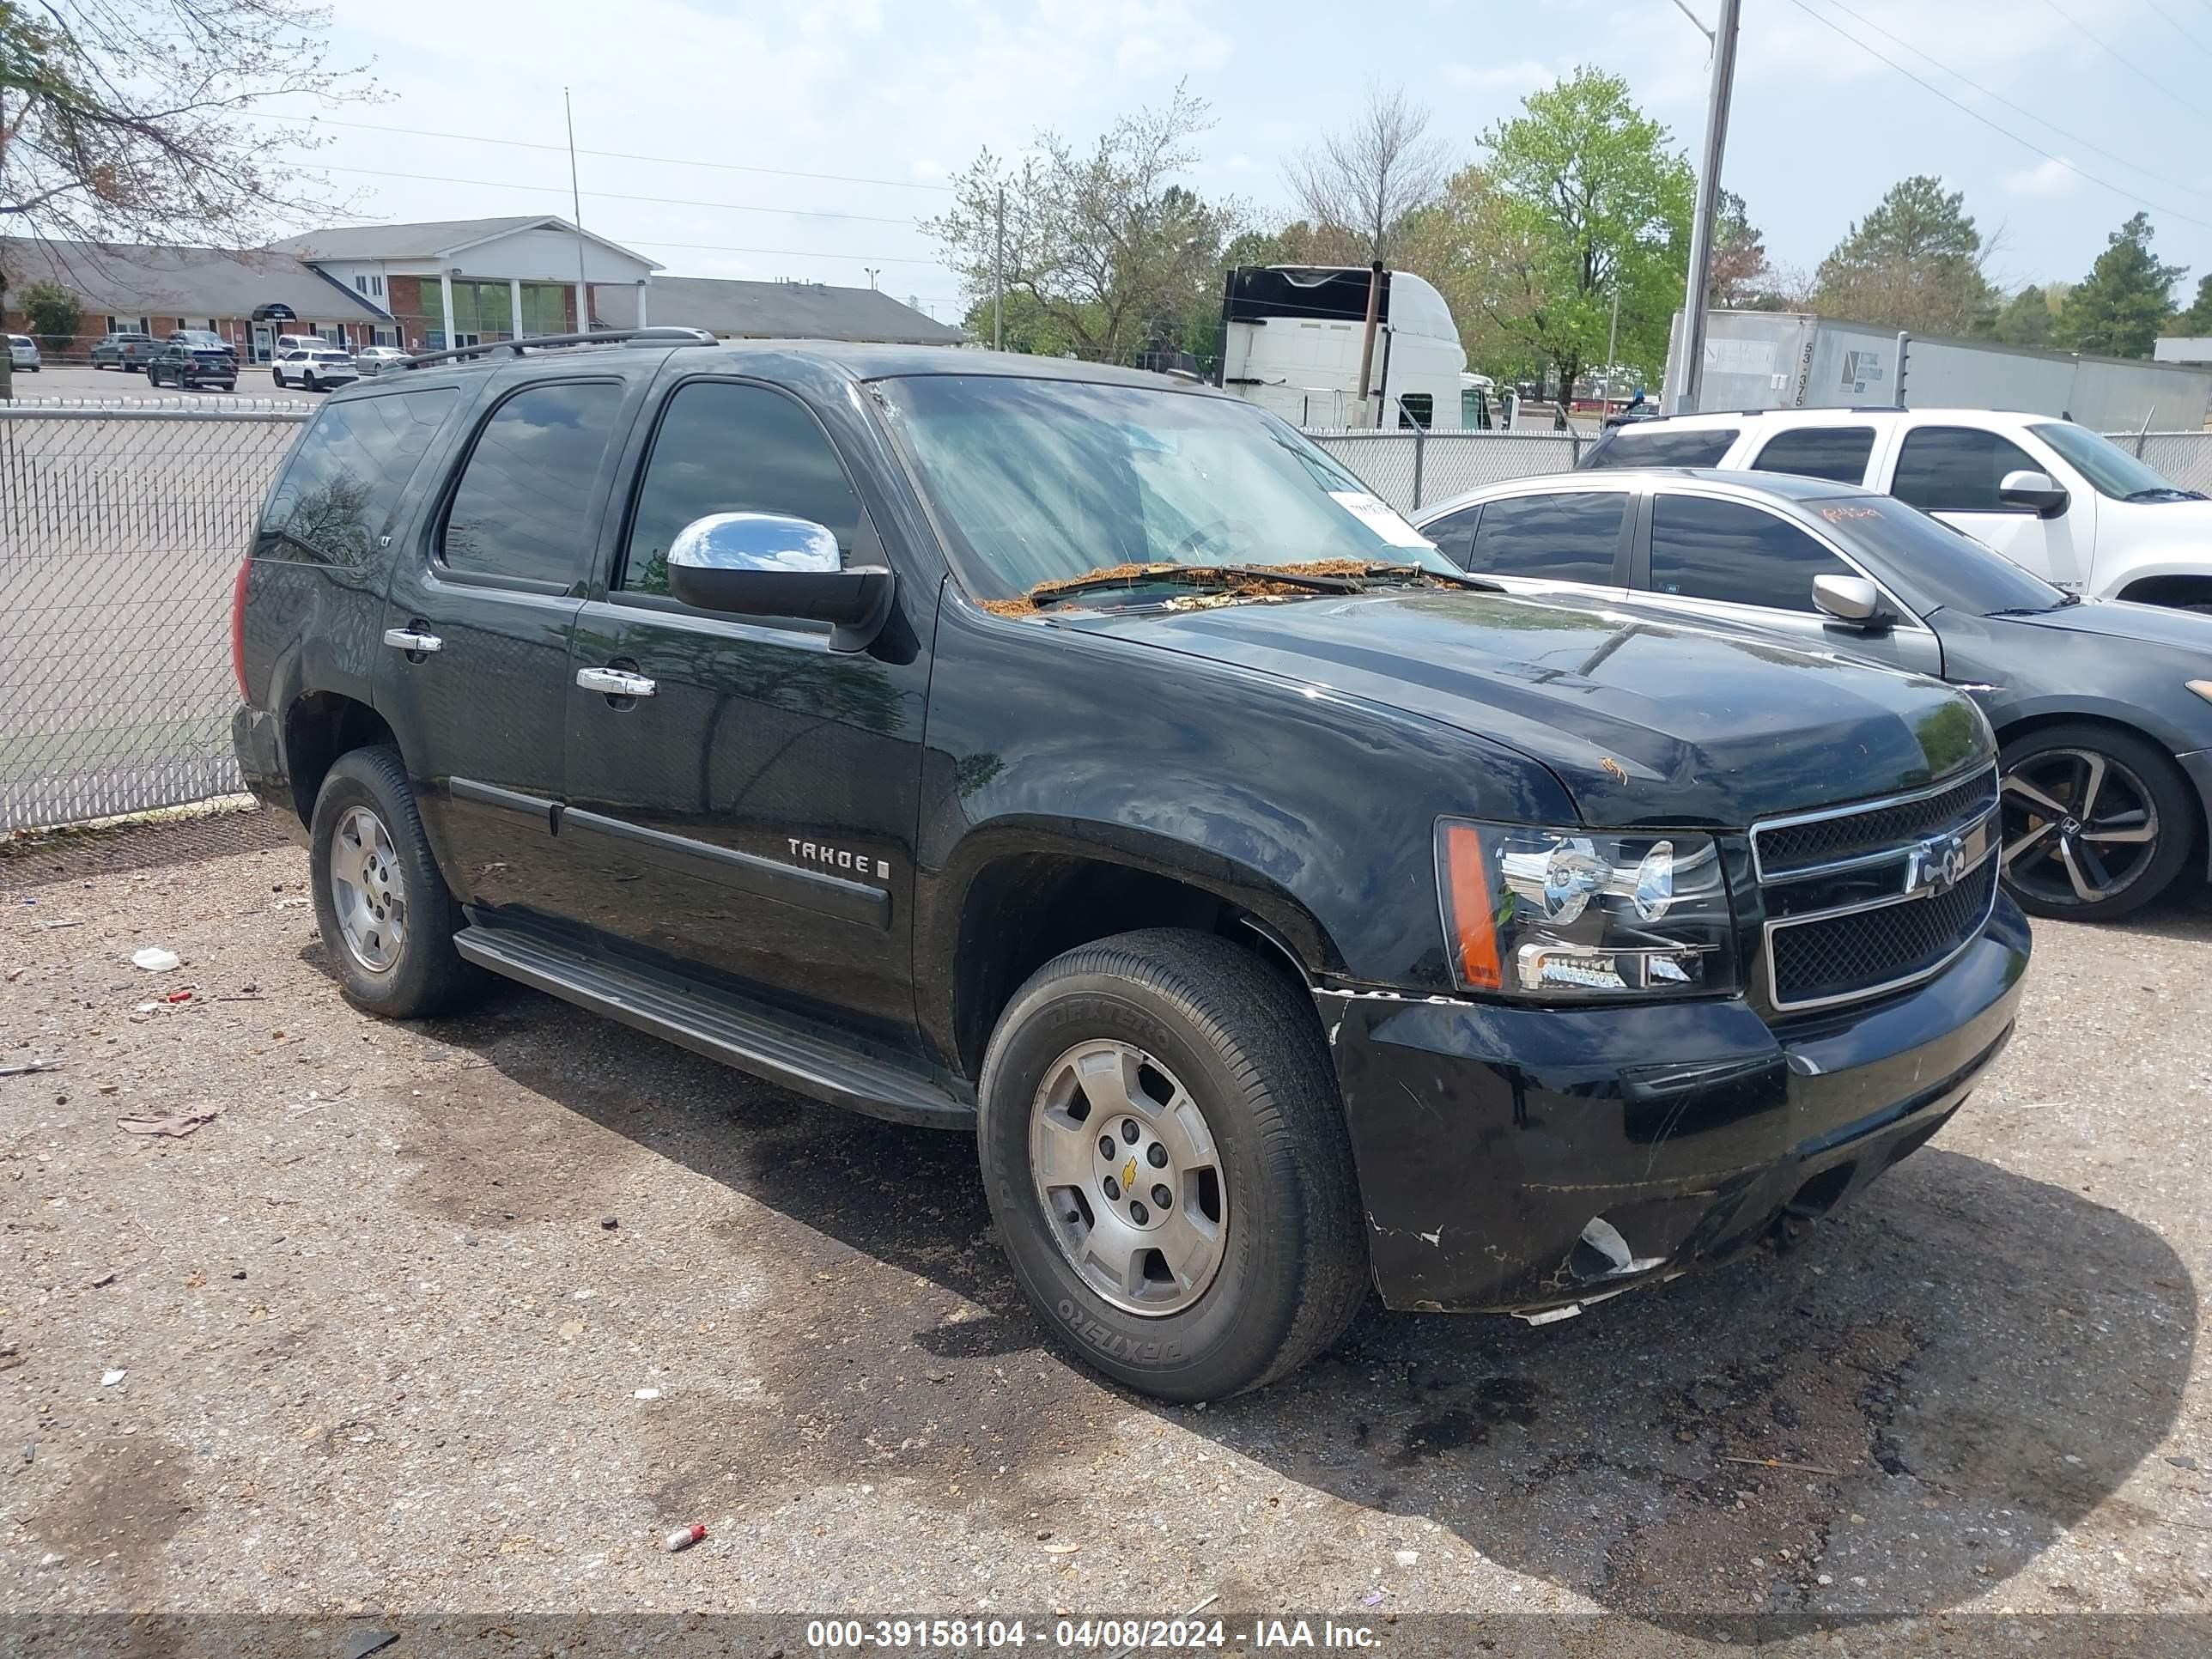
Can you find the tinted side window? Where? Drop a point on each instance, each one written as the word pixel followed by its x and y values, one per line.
pixel 734 449
pixel 1660 445
pixel 1453 534
pixel 343 483
pixel 1839 452
pixel 1562 537
pixel 524 499
pixel 1957 469
pixel 1708 550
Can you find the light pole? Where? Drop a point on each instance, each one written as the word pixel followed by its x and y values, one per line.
pixel 1688 374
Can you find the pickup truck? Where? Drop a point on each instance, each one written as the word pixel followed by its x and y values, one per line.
pixel 1079 760
pixel 2065 503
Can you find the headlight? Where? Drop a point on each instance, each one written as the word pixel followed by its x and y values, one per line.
pixel 1569 914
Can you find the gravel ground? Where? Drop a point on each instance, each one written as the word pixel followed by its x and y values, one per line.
pixel 467 1314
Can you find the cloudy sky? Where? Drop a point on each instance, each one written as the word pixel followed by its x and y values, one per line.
pixel 711 107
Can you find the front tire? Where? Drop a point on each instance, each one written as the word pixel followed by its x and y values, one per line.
pixel 1166 1159
pixel 387 915
pixel 2096 822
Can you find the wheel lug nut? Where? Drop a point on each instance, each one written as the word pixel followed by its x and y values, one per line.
pixel 1163 1197
pixel 1106 1147
pixel 1129 1130
pixel 1112 1189
pixel 1138 1214
pixel 1157 1155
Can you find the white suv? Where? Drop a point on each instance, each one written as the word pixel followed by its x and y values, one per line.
pixel 2069 505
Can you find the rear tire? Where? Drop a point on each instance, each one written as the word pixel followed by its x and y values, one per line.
pixel 1174 1022
pixel 387 915
pixel 2123 851
pixel 308 380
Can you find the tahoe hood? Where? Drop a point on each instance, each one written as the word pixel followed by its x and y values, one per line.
pixel 1643 721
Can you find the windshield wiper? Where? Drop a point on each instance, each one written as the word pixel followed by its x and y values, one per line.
pixel 2165 493
pixel 1456 578
pixel 1186 575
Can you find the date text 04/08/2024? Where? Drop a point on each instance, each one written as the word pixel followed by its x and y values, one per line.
pixel 1114 1636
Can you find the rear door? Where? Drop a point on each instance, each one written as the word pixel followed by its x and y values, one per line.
pixel 472 668
pixel 1729 560
pixel 1572 539
pixel 751 818
pixel 1953 472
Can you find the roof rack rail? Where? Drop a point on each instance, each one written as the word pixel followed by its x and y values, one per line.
pixel 529 343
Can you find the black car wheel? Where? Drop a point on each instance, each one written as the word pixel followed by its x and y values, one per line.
pixel 386 914
pixel 1166 1160
pixel 308 380
pixel 2096 822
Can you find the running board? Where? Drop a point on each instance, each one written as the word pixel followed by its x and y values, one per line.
pixel 737 1036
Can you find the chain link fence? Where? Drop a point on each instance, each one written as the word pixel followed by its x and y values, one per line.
pixel 122 525
pixel 121 528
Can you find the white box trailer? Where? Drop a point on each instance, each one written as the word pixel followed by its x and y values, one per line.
pixel 1794 360
pixel 1292 338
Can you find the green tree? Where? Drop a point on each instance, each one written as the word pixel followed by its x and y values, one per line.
pixel 2197 320
pixel 1582 196
pixel 2119 308
pixel 1103 242
pixel 1915 262
pixel 1739 269
pixel 2028 319
pixel 54 315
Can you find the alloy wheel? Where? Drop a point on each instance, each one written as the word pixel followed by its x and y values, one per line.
pixel 1129 1177
pixel 368 892
pixel 2079 827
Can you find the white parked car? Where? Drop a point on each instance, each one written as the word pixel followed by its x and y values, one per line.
pixel 316 367
pixel 373 361
pixel 2050 495
pixel 23 353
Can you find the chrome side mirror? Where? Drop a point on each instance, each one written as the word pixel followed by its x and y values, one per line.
pixel 1852 599
pixel 2037 491
pixel 763 564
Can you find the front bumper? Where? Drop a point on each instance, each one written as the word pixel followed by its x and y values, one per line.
pixel 1506 1154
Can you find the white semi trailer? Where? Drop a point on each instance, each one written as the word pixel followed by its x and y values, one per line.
pixel 1794 360
pixel 1292 338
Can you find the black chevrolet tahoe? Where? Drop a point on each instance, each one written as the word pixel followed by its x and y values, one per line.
pixel 1083 760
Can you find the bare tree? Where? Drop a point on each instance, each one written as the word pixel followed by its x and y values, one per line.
pixel 129 120
pixel 1100 245
pixel 1366 179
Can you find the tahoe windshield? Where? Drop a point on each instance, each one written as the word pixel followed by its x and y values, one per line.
pixel 2110 470
pixel 1043 481
pixel 1928 561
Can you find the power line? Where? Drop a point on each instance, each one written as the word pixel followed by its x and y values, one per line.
pixel 2020 109
pixel 2003 131
pixel 2156 86
pixel 2175 24
pixel 786 252
pixel 611 154
pixel 612 195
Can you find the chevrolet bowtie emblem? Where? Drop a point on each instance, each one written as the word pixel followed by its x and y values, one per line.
pixel 1129 1175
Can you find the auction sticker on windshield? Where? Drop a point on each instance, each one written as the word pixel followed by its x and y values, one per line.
pixel 1379 516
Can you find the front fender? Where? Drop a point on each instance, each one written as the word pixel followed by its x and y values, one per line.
pixel 1312 811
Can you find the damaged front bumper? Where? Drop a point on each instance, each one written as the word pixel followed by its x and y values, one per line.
pixel 1530 1160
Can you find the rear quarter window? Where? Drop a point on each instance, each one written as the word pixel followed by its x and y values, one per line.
pixel 339 491
pixel 1660 445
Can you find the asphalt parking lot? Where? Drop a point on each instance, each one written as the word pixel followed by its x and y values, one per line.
pixel 468 1315
pixel 60 381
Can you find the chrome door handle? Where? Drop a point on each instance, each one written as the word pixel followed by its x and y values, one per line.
pixel 614 682
pixel 413 642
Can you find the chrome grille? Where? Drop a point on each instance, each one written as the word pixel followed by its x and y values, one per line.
pixel 1799 843
pixel 1868 899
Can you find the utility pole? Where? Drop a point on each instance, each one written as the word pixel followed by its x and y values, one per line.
pixel 1367 339
pixel 1612 336
pixel 576 208
pixel 999 279
pixel 1689 374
